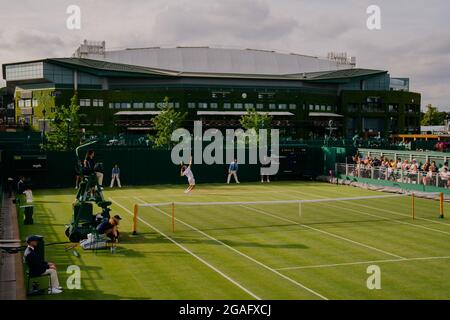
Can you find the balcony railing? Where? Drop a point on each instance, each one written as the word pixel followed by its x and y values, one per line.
pixel 437 179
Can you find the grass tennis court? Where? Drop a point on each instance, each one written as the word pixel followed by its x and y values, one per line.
pixel 256 251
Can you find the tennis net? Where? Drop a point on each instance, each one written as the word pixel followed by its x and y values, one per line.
pixel 254 215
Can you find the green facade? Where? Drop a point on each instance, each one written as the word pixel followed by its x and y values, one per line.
pixel 357 100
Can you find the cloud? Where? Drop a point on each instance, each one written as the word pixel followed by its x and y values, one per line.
pixel 232 21
pixel 414 40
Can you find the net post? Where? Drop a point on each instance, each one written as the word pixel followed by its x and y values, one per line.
pixel 441 205
pixel 413 207
pixel 135 213
pixel 173 217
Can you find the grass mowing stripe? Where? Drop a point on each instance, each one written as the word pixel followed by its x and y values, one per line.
pixel 387 219
pixel 374 215
pixel 394 212
pixel 242 254
pixel 191 253
pixel 363 262
pixel 326 232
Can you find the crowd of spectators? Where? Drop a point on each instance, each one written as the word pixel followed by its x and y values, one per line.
pixel 427 173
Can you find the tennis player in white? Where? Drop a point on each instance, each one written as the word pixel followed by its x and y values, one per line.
pixel 187 172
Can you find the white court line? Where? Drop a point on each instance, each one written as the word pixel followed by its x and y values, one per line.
pixel 191 253
pixel 377 216
pixel 388 211
pixel 362 262
pixel 241 253
pixel 325 232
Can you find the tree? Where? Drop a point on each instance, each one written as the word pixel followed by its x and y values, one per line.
pixel 165 123
pixel 433 117
pixel 65 129
pixel 256 120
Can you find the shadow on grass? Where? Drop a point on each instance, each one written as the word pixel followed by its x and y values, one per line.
pixel 153 238
pixel 82 294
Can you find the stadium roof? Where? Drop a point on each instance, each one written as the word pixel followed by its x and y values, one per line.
pixel 220 61
pixel 113 69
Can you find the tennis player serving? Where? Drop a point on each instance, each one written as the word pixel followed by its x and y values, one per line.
pixel 187 172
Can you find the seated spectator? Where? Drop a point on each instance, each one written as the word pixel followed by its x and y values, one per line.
pixel 89 166
pixel 110 228
pixel 38 267
pixel 445 166
pixel 412 172
pixel 444 176
pixel 427 179
pixel 433 166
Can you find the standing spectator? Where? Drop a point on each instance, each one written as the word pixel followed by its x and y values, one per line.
pixel 265 164
pixel 38 267
pixel 115 175
pixel 232 170
pixel 77 174
pixel 21 187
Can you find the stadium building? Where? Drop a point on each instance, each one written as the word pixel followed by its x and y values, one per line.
pixel 120 91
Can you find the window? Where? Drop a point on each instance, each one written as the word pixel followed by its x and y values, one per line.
pixel 323 108
pixel 282 106
pixel 138 105
pixel 248 105
pixel 117 105
pixel 35 103
pixel 191 105
pixel 237 106
pixel 202 105
pixel 125 105
pixel 214 105
pixel 272 106
pixel 111 105
pixel 292 106
pixel 85 102
pixel 21 103
pixel 28 103
pixel 25 71
pixel 266 95
pixel 311 107
pixel 259 106
pixel 317 108
pixel 227 105
pixel 149 105
pixel 97 102
pixel 329 108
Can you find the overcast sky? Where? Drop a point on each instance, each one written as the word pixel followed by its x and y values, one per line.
pixel 414 40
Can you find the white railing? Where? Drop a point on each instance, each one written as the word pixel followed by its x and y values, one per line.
pixel 438 179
